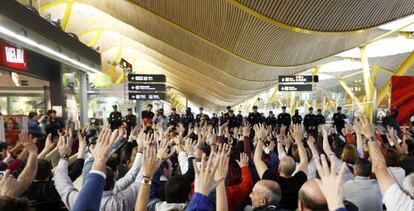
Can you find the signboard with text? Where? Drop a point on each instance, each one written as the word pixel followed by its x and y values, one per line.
pixel 13 57
pixel 298 78
pixel 146 78
pixel 295 87
pixel 147 87
pixel 147 96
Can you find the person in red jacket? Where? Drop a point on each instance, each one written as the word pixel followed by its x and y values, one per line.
pixel 239 192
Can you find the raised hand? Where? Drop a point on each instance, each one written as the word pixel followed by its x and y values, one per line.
pixel 222 128
pixel 49 142
pixel 189 146
pixel 297 132
pixel 367 128
pixel 261 131
pixel 103 148
pixel 162 150
pixel 311 140
pixel 82 145
pixel 331 184
pixel 204 181
pixel 150 162
pixel 28 143
pixel 223 162
pixel 65 146
pixel 246 129
pixel 244 160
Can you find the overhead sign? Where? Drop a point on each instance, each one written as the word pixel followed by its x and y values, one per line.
pixel 295 87
pixel 147 87
pixel 146 78
pixel 147 96
pixel 13 57
pixel 125 65
pixel 298 78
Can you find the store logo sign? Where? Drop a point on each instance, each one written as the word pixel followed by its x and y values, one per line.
pixel 13 57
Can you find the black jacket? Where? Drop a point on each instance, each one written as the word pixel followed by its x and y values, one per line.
pixel 285 119
pixel 254 118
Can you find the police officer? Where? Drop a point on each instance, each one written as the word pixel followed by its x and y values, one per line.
pixel 240 118
pixel 339 119
pixel 310 122
pixel 225 116
pixel 284 118
pixel 115 118
pixel 173 118
pixel 131 121
pixel 147 115
pixel 297 119
pixel 271 120
pixel 201 118
pixel 320 117
pixel 215 122
pixel 233 121
pixel 187 118
pixel 254 117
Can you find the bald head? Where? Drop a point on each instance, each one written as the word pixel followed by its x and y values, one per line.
pixel 266 192
pixel 311 197
pixel 287 166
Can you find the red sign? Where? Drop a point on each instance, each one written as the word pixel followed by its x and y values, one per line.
pixel 13 57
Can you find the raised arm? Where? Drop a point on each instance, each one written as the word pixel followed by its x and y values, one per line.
pixel 261 134
pixel 385 180
pixel 150 164
pixel 223 166
pixel 91 194
pixel 359 141
pixel 297 135
pixel 312 147
pixel 29 172
pixel 49 145
pixel 326 148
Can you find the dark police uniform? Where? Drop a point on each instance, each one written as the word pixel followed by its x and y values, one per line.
pixel 115 119
pixel 285 119
pixel 310 122
pixel 131 122
pixel 297 119
pixel 271 120
pixel 254 118
pixel 201 119
pixel 240 118
pixel 233 122
pixel 339 121
pixel 173 119
pixel 320 119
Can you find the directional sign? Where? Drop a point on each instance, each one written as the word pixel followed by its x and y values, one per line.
pixel 146 78
pixel 295 87
pixel 147 87
pixel 125 65
pixel 147 96
pixel 298 78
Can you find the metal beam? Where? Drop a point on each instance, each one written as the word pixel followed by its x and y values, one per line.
pixel 402 69
pixel 383 69
pixel 349 91
pixel 272 98
pixel 96 39
pixel 66 16
pixel 369 88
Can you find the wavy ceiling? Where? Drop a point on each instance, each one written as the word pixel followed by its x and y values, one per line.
pixel 220 52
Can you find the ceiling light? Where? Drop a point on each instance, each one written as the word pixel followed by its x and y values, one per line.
pixel 384 47
pixel 46 49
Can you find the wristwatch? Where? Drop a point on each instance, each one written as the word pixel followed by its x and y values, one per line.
pixel 64 156
pixel 146 181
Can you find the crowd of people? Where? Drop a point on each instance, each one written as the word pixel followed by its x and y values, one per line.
pixel 196 162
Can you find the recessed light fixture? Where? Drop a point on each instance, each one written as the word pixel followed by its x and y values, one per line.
pixel 46 49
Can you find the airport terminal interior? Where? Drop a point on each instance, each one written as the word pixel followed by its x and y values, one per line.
pixel 203 105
